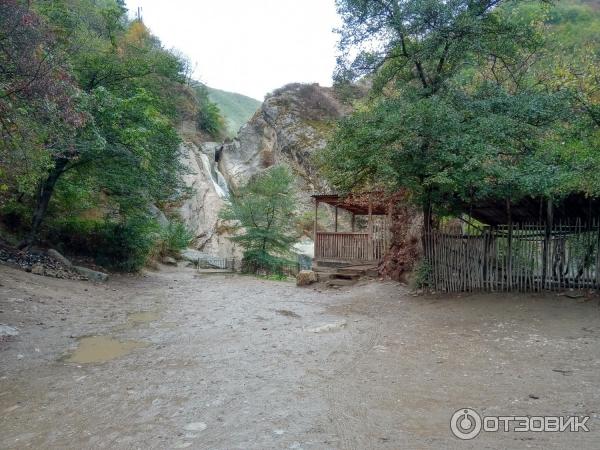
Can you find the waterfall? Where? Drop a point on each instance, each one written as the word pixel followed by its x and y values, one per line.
pixel 217 178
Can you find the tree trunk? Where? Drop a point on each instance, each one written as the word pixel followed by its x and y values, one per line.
pixel 43 196
pixel 427 221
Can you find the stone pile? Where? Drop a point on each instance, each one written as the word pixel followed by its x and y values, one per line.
pixel 39 263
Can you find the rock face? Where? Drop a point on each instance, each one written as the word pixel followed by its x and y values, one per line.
pixel 292 123
pixel 289 127
pixel 201 211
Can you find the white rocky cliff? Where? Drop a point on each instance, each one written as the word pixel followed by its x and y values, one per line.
pixel 210 191
pixel 291 124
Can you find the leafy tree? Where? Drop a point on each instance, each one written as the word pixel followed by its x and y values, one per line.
pixel 85 106
pixel 43 111
pixel 89 103
pixel 263 214
pixel 457 111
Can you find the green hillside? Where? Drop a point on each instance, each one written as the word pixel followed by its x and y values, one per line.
pixel 237 109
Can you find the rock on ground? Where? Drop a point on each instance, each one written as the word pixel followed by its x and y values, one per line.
pixel 306 277
pixel 90 274
pixel 169 261
pixel 59 257
pixel 39 263
pixel 6 330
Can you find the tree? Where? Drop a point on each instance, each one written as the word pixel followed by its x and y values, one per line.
pixel 42 110
pixel 263 214
pixel 454 100
pixel 87 95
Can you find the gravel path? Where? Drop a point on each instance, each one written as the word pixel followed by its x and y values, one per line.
pixel 234 362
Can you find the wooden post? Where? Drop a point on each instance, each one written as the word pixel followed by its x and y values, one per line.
pixel 547 237
pixel 315 243
pixel 353 221
pixel 370 230
pixel 509 250
pixel 336 218
pixel 388 228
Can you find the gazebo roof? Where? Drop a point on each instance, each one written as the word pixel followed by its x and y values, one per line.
pixel 357 203
pixel 533 209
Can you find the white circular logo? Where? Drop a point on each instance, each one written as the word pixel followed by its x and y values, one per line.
pixel 465 424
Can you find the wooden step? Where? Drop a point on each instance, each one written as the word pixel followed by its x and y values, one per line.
pixel 339 282
pixel 351 271
pixel 324 269
pixel 343 276
pixel 365 270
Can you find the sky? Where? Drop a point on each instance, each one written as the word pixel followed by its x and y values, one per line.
pixel 248 46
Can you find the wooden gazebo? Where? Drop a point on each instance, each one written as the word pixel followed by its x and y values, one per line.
pixel 354 246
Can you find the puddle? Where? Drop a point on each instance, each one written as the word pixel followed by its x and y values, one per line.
pixel 97 349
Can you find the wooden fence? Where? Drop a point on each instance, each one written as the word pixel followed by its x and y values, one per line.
pixel 523 257
pixel 350 246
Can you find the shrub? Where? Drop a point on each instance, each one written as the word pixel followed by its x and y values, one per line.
pixel 127 246
pixel 119 245
pixel 422 274
pixel 172 239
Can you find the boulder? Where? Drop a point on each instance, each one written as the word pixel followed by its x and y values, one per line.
pixel 191 255
pixel 37 269
pixel 158 215
pixel 169 261
pixel 90 274
pixel 59 257
pixel 306 277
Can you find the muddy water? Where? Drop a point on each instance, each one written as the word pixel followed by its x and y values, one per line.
pixel 97 349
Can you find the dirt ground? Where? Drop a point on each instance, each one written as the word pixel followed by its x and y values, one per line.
pixel 175 360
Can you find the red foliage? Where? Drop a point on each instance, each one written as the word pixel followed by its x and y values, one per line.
pixel 34 72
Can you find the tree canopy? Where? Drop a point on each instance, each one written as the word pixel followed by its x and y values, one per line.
pixel 90 102
pixel 470 100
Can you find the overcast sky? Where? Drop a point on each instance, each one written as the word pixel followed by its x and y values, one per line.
pixel 248 46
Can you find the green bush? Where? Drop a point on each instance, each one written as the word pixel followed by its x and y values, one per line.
pixel 173 238
pixel 127 246
pixel 15 217
pixel 119 245
pixel 209 116
pixel 422 274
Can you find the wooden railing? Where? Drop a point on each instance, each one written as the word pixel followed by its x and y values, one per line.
pixel 348 247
